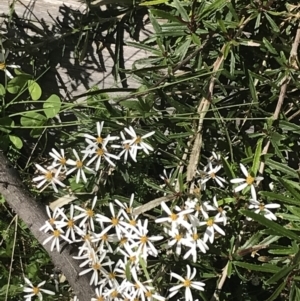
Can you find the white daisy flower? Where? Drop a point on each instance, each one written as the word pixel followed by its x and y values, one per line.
pixel 137 140
pixel 211 227
pixel 245 182
pixel 87 214
pixel 116 222
pixel 35 290
pixel 93 142
pixel 187 283
pixel 56 234
pixel 48 177
pixel 176 238
pixel 97 267
pixel 55 219
pixel 193 241
pixel 69 222
pixel 60 160
pixel 175 219
pixel 127 149
pixel 211 173
pixel 79 166
pixel 98 153
pixel 261 208
pixel 143 242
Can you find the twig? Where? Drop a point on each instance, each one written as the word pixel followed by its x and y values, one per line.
pixel 292 59
pixel 202 110
pixel 223 277
pixel 12 256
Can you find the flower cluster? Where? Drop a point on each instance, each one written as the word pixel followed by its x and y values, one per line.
pixel 115 246
pixel 98 148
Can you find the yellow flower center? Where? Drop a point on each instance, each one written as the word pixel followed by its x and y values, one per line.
pixel 178 237
pixel 96 266
pixel 56 233
pixel 212 175
pixel 70 223
pixel 132 258
pixel 90 212
pixel 250 180
pixel 148 294
pixel 132 222
pixel 51 221
pixel 144 239
pixel 49 175
pixel 114 294
pixel 112 275
pixel 35 290
pixel 115 221
pixel 138 140
pixel 87 237
pixel 62 161
pixel 173 217
pixel 123 240
pixel 104 237
pixel 2 66
pixel 210 222
pixel 127 146
pixel 100 152
pixel 187 283
pixel 195 236
pixel 100 298
pixel 100 140
pixel 261 207
pixel 79 164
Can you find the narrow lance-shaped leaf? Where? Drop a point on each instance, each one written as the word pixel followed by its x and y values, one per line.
pixel 271 225
pixel 256 159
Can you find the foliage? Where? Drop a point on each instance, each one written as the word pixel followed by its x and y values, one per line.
pixel 220 77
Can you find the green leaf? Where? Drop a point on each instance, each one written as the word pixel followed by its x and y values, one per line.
pixel 279 230
pixel 164 15
pixel 16 141
pixel 269 46
pixel 289 126
pixel 272 23
pixel 289 188
pixel 267 268
pixel 227 168
pixel 252 88
pixel 32 119
pixel 52 106
pixel 288 217
pixel 279 197
pixel 17 83
pixel 153 2
pixel 280 274
pixel 155 24
pixel 2 90
pixel 281 167
pixel 286 251
pixel 256 159
pixel 34 89
pixel 216 5
pixel 183 13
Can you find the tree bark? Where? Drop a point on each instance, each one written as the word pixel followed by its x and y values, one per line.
pixel 34 215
